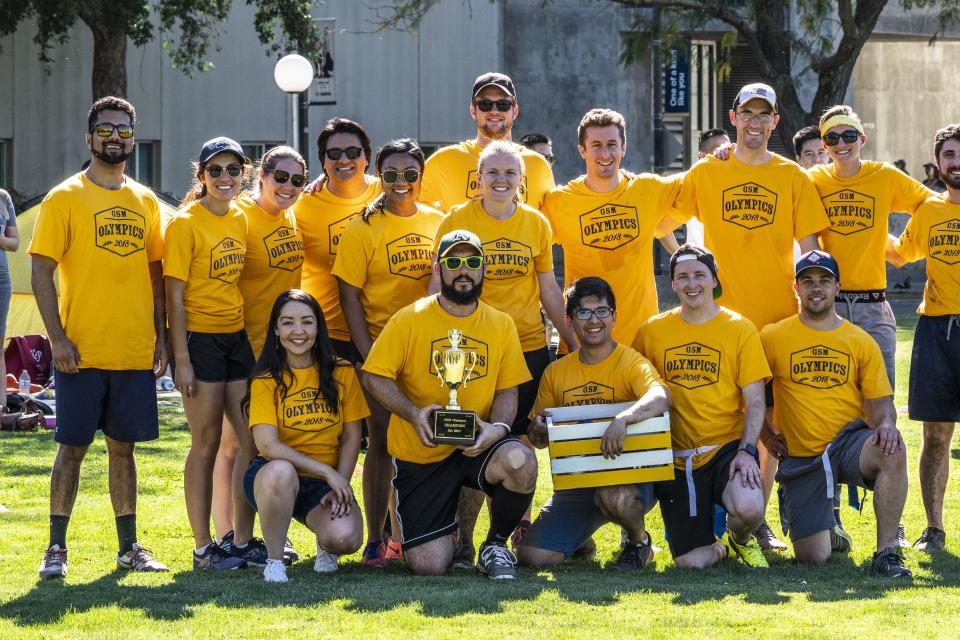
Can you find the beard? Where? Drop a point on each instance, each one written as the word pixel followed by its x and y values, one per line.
pixel 496 132
pixel 456 296
pixel 950 180
pixel 110 158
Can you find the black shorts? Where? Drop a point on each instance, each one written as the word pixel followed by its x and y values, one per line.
pixel 686 533
pixel 935 370
pixel 122 404
pixel 536 361
pixel 346 350
pixel 427 494
pixel 220 357
pixel 309 494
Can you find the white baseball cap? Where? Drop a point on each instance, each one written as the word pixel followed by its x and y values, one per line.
pixel 757 91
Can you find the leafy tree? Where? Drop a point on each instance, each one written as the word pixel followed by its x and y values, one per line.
pixel 188 29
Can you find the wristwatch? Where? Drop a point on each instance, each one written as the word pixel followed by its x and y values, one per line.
pixel 752 450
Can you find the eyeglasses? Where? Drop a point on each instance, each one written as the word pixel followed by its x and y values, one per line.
pixel 351 152
pixel 391 176
pixel 586 314
pixel 453 263
pixel 297 179
pixel 501 105
pixel 105 130
pixel 849 136
pixel 746 117
pixel 216 170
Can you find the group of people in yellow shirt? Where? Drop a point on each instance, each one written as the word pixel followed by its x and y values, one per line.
pixel 294 313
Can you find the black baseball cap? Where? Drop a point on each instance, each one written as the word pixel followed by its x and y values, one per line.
pixel 212 147
pixel 691 251
pixel 456 238
pixel 817 259
pixel 494 79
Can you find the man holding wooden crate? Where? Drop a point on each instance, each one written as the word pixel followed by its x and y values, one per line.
pixel 601 372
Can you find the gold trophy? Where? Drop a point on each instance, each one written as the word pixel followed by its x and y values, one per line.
pixel 454 367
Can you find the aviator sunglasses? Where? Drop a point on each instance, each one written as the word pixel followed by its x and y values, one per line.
pixel 352 153
pixel 849 136
pixel 215 170
pixel 281 177
pixel 453 263
pixel 391 176
pixel 105 130
pixel 488 105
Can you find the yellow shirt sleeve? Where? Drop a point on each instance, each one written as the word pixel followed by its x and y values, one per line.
pixel 909 245
pixel 752 360
pixel 352 403
pixel 643 376
pixel 263 402
pixel 51 234
pixel 543 262
pixel 809 216
pixel 154 240
pixel 434 177
pixel 388 354
pixel 546 393
pixel 513 368
pixel 908 194
pixel 873 382
pixel 354 253
pixel 179 242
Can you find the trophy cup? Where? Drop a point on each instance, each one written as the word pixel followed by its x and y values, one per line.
pixel 454 367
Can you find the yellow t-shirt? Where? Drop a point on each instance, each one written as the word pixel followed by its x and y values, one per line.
pixel 820 380
pixel 450 176
pixel 934 233
pixel 751 215
pixel 515 251
pixel 610 235
pixel 207 252
pixel 303 418
pixel 858 208
pixel 322 217
pixel 103 241
pixel 389 260
pixel 706 367
pixel 272 265
pixel 404 353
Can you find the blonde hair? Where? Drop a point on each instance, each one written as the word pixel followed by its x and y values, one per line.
pixel 501 148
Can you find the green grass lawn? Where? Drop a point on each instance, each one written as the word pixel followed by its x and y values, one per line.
pixel 578 600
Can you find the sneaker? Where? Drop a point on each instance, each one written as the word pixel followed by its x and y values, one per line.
pixel 635 555
pixel 54 563
pixel 748 552
pixel 840 540
pixel 326 562
pixel 518 533
pixel 931 540
pixel 275 571
pixel 138 559
pixel 497 562
pixel 768 540
pixel 290 554
pixel 587 550
pixel 888 563
pixel 216 559
pixel 374 554
pixel 254 553
pixel 463 555
pixel 394 550
pixel 902 541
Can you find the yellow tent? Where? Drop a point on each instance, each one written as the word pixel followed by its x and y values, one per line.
pixel 24 317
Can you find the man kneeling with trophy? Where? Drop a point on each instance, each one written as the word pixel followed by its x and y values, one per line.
pixel 447 367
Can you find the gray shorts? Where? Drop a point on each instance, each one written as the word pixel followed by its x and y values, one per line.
pixel 5 293
pixel 810 483
pixel 877 319
pixel 570 517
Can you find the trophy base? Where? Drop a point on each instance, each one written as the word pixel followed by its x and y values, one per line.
pixel 452 426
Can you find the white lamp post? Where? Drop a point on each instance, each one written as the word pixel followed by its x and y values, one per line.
pixel 294 74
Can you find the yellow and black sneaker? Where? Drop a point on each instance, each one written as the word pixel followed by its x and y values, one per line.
pixel 748 552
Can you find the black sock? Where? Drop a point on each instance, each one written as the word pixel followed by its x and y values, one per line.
pixel 836 516
pixel 126 532
pixel 58 530
pixel 506 510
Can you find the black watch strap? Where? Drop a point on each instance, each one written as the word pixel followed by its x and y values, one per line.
pixel 752 450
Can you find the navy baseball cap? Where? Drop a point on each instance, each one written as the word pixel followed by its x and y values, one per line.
pixel 817 259
pixel 212 147
pixel 456 238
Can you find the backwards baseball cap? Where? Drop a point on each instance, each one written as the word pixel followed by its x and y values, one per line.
pixel 817 259
pixel 456 238
pixel 212 147
pixel 757 91
pixel 494 79
pixel 691 251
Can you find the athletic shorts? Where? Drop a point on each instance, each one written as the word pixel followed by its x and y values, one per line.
pixel 122 404
pixel 536 361
pixel 427 494
pixel 935 370
pixel 810 483
pixel 220 357
pixel 877 319
pixel 571 516
pixel 309 494
pixel 6 291
pixel 346 350
pixel 685 532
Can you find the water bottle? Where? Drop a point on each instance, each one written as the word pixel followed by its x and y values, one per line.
pixel 24 383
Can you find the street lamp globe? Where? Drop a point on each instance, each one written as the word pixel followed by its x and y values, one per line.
pixel 293 73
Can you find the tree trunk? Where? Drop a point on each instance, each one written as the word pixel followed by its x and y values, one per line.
pixel 109 61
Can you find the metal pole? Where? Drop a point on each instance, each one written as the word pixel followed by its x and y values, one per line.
pixel 304 131
pixel 657 95
pixel 294 113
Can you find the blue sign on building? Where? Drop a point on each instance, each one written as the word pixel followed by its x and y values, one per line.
pixel 676 94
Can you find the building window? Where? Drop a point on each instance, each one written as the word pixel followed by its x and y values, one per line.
pixel 143 165
pixel 255 150
pixel 6 155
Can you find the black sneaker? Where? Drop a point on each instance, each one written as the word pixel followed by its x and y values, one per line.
pixel 635 555
pixel 931 540
pixel 254 553
pixel 463 555
pixel 497 562
pixel 888 563
pixel 216 559
pixel 290 554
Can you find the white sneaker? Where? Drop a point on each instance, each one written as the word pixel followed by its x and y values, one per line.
pixel 54 563
pixel 139 559
pixel 275 571
pixel 326 562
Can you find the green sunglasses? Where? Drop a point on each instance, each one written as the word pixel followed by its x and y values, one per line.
pixel 454 263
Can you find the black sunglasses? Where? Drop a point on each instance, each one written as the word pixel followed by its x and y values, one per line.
pixel 297 179
pixel 105 130
pixel 351 152
pixel 849 136
pixel 453 263
pixel 215 170
pixel 391 176
pixel 501 105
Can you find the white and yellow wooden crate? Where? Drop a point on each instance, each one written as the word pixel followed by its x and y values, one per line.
pixel 575 434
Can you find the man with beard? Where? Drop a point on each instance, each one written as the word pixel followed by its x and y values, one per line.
pixel 399 373
pixel 833 407
pixel 450 175
pixel 107 331
pixel 934 233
